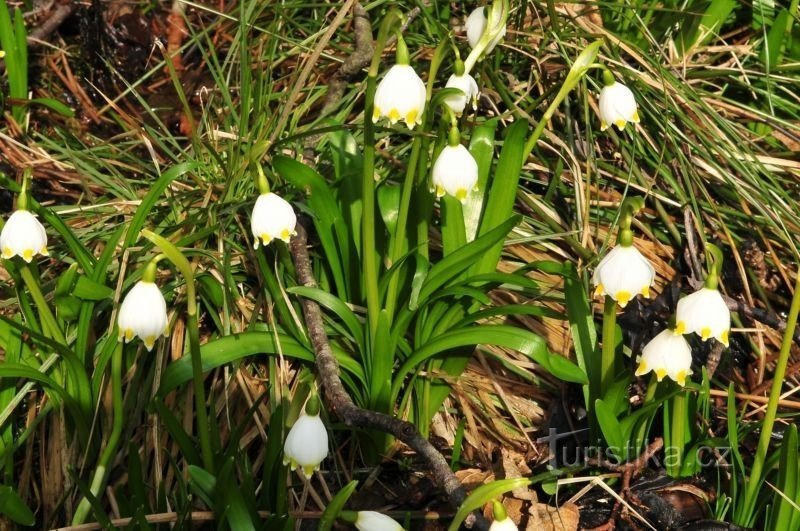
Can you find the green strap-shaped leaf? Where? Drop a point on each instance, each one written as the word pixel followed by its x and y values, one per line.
pixel 235 347
pixel 511 337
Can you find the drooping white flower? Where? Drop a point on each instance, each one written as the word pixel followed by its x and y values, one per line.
pixel 24 236
pixel 476 25
pixel 667 354
pixel 506 524
pixel 143 313
pixel 455 172
pixel 705 313
pixel 400 95
pixel 466 84
pixel 617 106
pixel 306 445
pixel 375 521
pixel 622 274
pixel 273 217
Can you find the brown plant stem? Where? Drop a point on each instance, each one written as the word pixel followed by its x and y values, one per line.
pixel 338 400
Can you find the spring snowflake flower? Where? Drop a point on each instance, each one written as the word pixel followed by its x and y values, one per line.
pixel 507 524
pixel 476 25
pixel 617 106
pixel 705 313
pixel 143 313
pixel 400 95
pixel 466 84
pixel 623 274
pixel 273 217
pixel 306 445
pixel 667 354
pixel 375 521
pixel 24 236
pixel 455 172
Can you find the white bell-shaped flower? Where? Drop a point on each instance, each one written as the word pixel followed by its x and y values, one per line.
pixel 273 217
pixel 466 84
pixel 455 172
pixel 705 313
pixel 24 236
pixel 622 274
pixel 506 524
pixel 143 313
pixel 476 25
pixel 667 354
pixel 617 106
pixel 400 95
pixel 375 521
pixel 306 445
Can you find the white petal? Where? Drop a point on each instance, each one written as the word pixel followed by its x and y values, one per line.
pixel 143 313
pixel 624 272
pixel 506 524
pixel 476 23
pixel 705 313
pixel 468 86
pixel 400 95
pixel 307 442
pixel 455 171
pixel 273 217
pixel 617 104
pixel 375 521
pixel 23 235
pixel 667 354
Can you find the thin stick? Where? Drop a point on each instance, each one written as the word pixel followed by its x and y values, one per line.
pixel 338 400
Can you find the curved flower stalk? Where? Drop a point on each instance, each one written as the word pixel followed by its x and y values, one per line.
pixel 375 521
pixel 617 104
pixel 143 311
pixel 704 312
pixel 401 94
pixel 667 354
pixel 306 446
pixel 273 217
pixel 455 171
pixel 486 27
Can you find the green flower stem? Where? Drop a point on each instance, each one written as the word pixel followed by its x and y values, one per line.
pixel 582 65
pixel 754 482
pixel 193 328
pixel 368 251
pixel 101 470
pixel 399 239
pixel 678 412
pixel 49 322
pixel 715 260
pixel 608 354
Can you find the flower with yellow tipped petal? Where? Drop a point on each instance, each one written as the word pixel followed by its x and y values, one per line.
pixel 23 236
pixel 400 95
pixel 705 313
pixel 273 217
pixel 143 313
pixel 466 84
pixel 375 521
pixel 617 106
pixel 667 354
pixel 622 274
pixel 455 172
pixel 306 445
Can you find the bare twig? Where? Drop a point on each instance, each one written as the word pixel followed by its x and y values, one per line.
pixel 338 400
pixel 58 15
